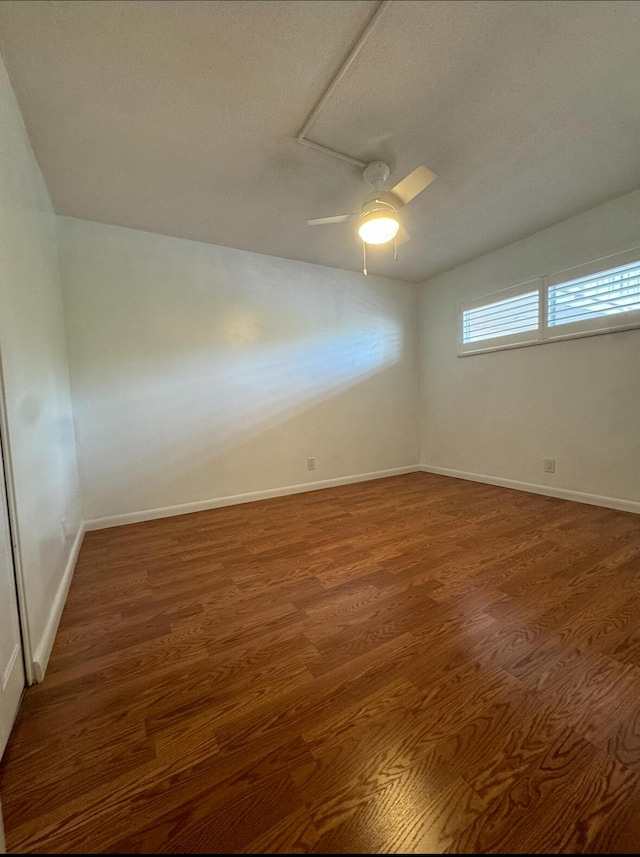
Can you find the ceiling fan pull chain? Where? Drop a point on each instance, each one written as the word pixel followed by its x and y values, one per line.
pixel 395 247
pixel 364 258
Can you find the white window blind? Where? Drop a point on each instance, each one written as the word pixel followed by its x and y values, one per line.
pixel 502 318
pixel 508 317
pixel 607 295
pixel 598 297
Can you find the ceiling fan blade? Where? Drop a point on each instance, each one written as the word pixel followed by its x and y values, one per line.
pixel 402 235
pixel 337 218
pixel 413 184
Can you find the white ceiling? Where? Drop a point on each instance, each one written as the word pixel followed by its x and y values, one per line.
pixel 180 117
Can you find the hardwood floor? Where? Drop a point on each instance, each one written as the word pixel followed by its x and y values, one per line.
pixel 414 664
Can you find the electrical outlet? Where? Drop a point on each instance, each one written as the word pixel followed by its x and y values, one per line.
pixel 311 464
pixel 549 465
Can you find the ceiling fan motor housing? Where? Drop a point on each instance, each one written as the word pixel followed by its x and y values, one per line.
pixel 376 203
pixel 376 173
pixel 379 200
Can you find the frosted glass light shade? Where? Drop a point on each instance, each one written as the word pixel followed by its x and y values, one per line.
pixel 378 227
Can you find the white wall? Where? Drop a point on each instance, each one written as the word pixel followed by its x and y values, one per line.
pixel 501 414
pixel 201 372
pixel 42 465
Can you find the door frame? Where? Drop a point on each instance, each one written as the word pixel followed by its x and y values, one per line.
pixel 18 571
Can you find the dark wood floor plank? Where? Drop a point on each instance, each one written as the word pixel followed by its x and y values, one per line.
pixel 412 664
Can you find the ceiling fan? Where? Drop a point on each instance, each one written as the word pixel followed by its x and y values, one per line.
pixel 378 218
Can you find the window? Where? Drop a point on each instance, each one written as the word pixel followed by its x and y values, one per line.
pixel 510 319
pixel 595 298
pixel 513 315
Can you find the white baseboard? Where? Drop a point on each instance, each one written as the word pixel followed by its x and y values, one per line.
pixel 532 488
pixel 203 505
pixel 44 647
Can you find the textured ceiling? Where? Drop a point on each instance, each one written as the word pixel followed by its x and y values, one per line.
pixel 180 117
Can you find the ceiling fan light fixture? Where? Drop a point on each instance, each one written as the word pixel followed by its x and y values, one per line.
pixel 378 227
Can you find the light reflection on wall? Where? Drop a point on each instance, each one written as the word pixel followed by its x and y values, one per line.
pixel 229 393
pixel 240 326
pixel 202 372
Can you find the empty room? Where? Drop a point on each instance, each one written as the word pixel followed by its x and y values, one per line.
pixel 319 426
